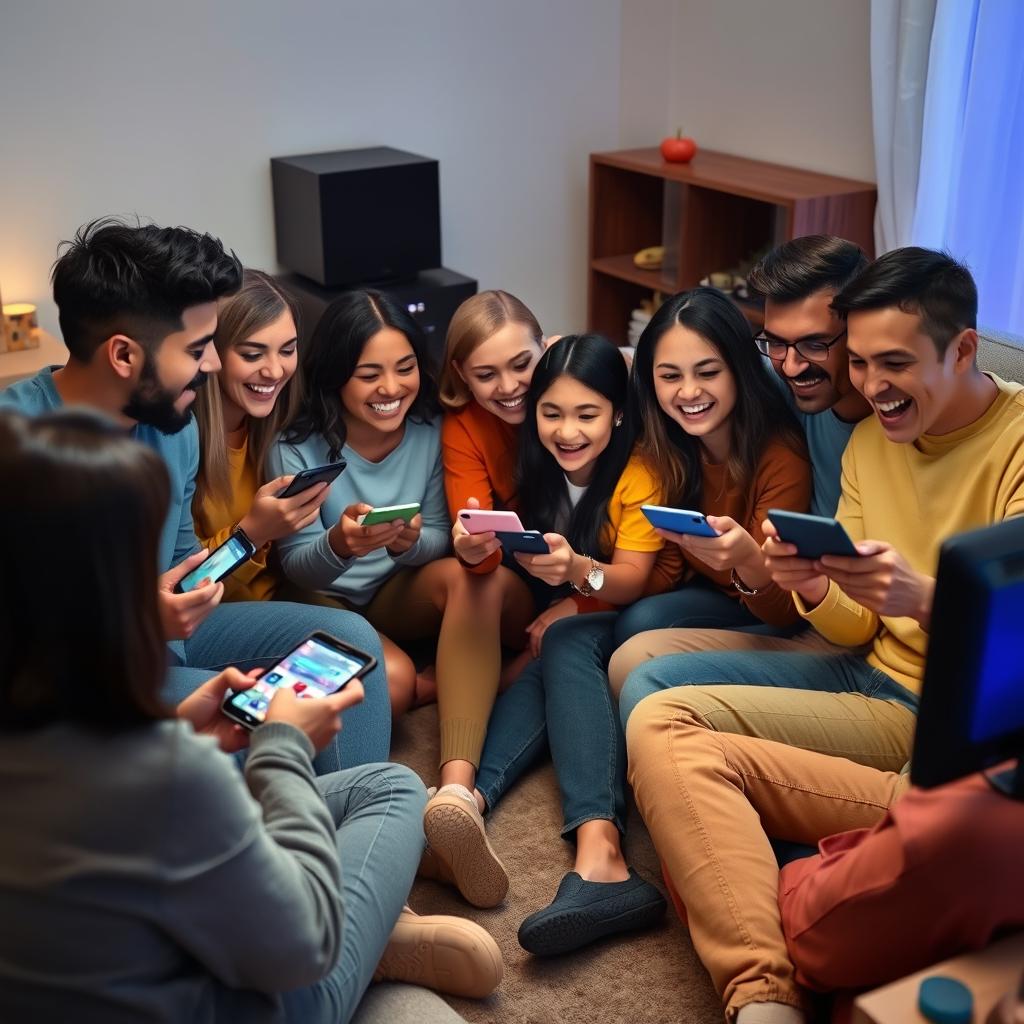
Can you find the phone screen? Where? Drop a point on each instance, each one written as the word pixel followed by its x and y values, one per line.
pixel 312 670
pixel 217 565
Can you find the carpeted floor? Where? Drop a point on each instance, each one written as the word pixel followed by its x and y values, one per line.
pixel 646 978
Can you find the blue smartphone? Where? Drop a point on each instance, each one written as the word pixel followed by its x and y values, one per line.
pixel 220 562
pixel 813 536
pixel 678 520
pixel 526 542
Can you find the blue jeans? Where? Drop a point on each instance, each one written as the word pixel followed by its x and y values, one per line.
pixel 829 673
pixel 378 811
pixel 256 634
pixel 562 700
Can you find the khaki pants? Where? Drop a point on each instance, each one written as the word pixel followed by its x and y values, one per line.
pixel 711 798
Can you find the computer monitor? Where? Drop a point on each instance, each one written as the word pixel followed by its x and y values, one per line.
pixel 972 698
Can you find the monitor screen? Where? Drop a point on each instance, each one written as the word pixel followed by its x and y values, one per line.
pixel 972 699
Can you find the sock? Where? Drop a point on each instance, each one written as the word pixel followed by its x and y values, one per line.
pixel 770 1013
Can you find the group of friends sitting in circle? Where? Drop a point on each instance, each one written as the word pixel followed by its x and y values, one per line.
pixel 741 690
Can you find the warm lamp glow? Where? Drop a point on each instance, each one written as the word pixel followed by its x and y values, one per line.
pixel 20 326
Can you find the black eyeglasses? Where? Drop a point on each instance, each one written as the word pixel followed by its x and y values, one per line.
pixel 811 350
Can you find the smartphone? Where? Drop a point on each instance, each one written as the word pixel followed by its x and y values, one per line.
pixel 527 542
pixel 813 536
pixel 220 562
pixel 484 520
pixel 678 520
pixel 389 513
pixel 307 478
pixel 320 665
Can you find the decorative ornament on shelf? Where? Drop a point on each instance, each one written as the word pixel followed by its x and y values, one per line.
pixel 20 327
pixel 678 150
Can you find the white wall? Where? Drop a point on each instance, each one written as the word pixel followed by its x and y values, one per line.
pixel 786 80
pixel 172 111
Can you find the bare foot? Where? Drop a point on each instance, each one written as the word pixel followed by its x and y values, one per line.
pixel 426 687
pixel 512 669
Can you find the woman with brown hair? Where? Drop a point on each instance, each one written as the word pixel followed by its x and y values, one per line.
pixel 259 392
pixel 277 897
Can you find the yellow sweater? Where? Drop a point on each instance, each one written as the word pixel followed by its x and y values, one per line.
pixel 216 520
pixel 914 496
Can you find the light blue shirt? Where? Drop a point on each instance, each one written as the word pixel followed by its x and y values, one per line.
pixel 412 472
pixel 180 452
pixel 827 436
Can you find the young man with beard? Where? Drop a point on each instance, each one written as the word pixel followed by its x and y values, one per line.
pixel 138 310
pixel 713 758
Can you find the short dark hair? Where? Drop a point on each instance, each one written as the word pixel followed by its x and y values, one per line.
pixel 333 353
pixel 914 280
pixel 803 266
pixel 119 278
pixel 80 634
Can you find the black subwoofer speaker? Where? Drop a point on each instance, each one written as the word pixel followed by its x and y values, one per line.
pixel 357 215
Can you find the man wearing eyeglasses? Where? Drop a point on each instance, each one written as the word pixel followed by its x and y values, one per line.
pixel 806 342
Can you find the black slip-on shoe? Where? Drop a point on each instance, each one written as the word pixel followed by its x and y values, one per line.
pixel 583 912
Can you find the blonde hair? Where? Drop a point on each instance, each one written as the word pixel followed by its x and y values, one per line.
pixel 257 304
pixel 476 320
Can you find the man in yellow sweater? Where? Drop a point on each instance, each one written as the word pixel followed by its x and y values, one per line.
pixel 711 758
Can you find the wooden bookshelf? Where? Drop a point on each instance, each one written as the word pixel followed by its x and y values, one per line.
pixel 710 214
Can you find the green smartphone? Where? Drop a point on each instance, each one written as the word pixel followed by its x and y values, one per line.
pixel 389 513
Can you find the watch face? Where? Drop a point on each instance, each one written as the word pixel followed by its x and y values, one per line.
pixel 596 578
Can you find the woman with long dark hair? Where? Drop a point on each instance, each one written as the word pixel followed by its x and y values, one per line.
pixel 217 898
pixel 580 483
pixel 718 434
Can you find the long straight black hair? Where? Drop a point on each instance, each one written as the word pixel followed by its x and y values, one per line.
pixel 543 495
pixel 761 413
pixel 333 353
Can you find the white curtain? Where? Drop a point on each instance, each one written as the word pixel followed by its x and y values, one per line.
pixel 901 32
pixel 948 106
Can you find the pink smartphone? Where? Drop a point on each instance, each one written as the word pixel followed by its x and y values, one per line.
pixel 482 520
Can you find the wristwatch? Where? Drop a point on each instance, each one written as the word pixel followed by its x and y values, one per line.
pixel 592 582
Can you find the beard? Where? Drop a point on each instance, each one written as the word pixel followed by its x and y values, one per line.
pixel 153 404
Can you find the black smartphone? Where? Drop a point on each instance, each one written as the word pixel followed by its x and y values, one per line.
pixel 526 542
pixel 307 478
pixel 320 665
pixel 813 536
pixel 220 562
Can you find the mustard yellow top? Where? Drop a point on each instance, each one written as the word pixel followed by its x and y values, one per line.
pixel 914 496
pixel 215 522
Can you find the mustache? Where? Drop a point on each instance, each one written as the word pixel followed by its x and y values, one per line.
pixel 811 373
pixel 197 381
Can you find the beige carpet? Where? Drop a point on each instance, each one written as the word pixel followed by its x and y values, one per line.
pixel 646 978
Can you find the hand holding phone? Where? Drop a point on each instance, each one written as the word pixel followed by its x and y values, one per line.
pixel 319 719
pixel 182 614
pixel 349 538
pixel 318 667
pixel 472 548
pixel 560 565
pixel 307 478
pixel 791 572
pixel 274 515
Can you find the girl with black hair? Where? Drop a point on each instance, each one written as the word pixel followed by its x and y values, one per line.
pixel 720 437
pixel 580 482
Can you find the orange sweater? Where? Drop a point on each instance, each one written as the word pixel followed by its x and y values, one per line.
pixel 479 454
pixel 782 480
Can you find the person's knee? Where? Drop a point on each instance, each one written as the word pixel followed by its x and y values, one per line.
pixel 401 676
pixel 630 656
pixel 390 784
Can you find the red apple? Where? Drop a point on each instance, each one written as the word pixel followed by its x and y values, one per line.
pixel 679 150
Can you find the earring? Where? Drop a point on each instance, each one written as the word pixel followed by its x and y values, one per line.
pixel 618 420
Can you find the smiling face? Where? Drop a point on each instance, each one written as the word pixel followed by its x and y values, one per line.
pixel 256 369
pixel 383 385
pixel 575 425
pixel 695 387
pixel 816 386
pixel 169 377
pixel 896 366
pixel 498 371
